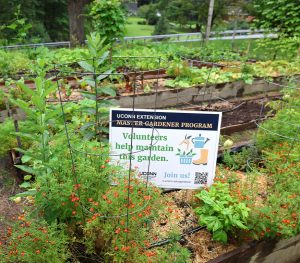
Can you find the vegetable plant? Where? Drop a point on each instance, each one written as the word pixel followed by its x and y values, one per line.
pixel 220 212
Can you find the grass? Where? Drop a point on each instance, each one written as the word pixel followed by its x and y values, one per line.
pixel 134 29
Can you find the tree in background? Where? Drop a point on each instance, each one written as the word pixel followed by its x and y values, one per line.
pixel 149 12
pixel 162 26
pixel 49 19
pixel 186 13
pixel 281 15
pixel 76 21
pixel 18 27
pixel 108 19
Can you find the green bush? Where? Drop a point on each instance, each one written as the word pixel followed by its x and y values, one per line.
pixel 220 212
pixel 12 62
pixel 285 125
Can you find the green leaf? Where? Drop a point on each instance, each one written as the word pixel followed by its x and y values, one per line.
pixel 27 169
pixel 104 75
pixel 87 125
pixel 240 225
pixel 88 95
pixel 86 66
pixel 103 58
pixel 27 177
pixel 39 103
pixel 220 235
pixel 50 89
pixel 25 88
pixel 26 135
pixel 25 185
pixel 25 107
pixel 217 225
pixel 108 91
pixel 26 158
pixel 31 192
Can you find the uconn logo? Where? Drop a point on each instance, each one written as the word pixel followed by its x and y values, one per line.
pixel 148 174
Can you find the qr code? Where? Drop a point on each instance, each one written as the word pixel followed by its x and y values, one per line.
pixel 201 178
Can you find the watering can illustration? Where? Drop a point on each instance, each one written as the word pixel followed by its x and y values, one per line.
pixel 199 143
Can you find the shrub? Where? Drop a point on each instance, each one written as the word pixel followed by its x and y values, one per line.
pixel 162 26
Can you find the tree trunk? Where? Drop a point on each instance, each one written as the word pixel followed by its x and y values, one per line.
pixel 76 21
pixel 209 19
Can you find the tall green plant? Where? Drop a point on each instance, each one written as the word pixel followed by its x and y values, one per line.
pixel 40 118
pixel 95 62
pixel 108 19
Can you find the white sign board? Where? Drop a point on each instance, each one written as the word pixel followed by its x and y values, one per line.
pixel 174 149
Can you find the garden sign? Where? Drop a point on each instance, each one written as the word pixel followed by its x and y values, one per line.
pixel 173 149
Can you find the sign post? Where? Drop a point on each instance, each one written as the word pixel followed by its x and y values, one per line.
pixel 173 149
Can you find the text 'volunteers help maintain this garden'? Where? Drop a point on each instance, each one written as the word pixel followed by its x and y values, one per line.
pixel 173 149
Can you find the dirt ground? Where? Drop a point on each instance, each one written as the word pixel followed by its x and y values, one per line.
pixel 9 210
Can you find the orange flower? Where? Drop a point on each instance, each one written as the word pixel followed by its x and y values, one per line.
pixel 147 197
pixel 125 248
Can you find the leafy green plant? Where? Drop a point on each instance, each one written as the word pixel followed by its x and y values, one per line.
pixel 238 161
pixel 220 212
pixel 280 15
pixel 285 124
pixel 282 47
pixel 173 252
pixel 12 62
pixel 108 19
pixel 95 63
pixel 41 117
